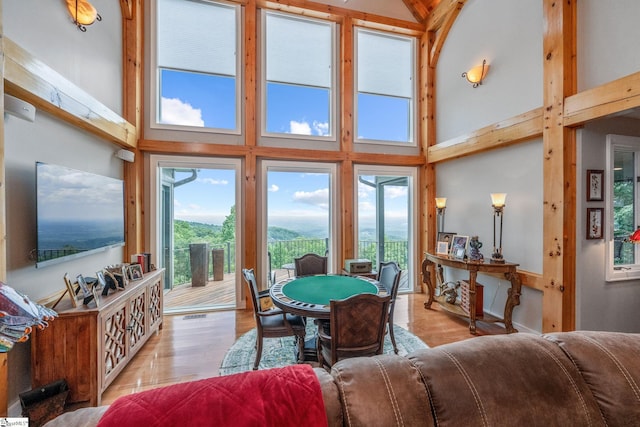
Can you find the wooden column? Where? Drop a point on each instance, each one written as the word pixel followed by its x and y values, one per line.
pixel 559 150
pixel 347 202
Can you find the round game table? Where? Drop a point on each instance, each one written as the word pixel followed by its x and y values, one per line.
pixel 309 296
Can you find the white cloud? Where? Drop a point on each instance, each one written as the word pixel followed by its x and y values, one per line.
pixel 316 198
pixel 211 181
pixel 394 192
pixel 176 112
pixel 274 188
pixel 322 129
pixel 299 128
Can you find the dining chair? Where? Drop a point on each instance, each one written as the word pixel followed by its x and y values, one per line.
pixel 356 328
pixel 389 276
pixel 273 322
pixel 310 264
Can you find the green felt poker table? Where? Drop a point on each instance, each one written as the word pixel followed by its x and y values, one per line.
pixel 309 296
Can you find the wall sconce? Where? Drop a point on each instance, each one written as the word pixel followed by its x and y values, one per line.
pixel 83 13
pixel 441 205
pixel 476 75
pixel 498 203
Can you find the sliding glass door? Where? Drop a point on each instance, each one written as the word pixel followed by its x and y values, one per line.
pixel 385 217
pixel 196 231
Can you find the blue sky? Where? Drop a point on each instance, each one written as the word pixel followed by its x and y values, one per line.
pixel 199 100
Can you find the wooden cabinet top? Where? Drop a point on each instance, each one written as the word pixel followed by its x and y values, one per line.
pixel 65 309
pixel 466 264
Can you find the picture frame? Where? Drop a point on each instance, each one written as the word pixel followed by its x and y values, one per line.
pixel 595 185
pixel 88 294
pixel 459 245
pixel 134 271
pixel 70 290
pixel 447 237
pixel 442 248
pixel 594 223
pixel 101 282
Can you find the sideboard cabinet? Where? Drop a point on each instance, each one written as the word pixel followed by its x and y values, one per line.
pixel 88 346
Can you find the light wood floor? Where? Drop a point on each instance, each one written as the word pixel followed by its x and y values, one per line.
pixel 191 347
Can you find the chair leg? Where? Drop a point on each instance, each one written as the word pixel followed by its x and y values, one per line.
pixel 393 337
pixel 258 352
pixel 300 340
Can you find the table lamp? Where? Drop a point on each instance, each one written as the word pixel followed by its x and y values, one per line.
pixel 498 203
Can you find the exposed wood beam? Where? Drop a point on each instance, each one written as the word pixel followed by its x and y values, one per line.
pixel 559 186
pixel 443 32
pixel 333 13
pixel 418 9
pixel 610 98
pixel 33 81
pixel 127 8
pixel 442 10
pixel 501 134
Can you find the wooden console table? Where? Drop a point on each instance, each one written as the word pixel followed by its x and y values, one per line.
pixel 89 346
pixel 508 269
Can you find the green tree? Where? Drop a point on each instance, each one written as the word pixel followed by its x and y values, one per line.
pixel 228 233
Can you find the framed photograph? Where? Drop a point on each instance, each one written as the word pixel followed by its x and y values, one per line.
pixel 88 295
pixel 442 248
pixel 594 223
pixel 135 272
pixel 70 290
pixel 447 237
pixel 101 282
pixel 459 246
pixel 595 185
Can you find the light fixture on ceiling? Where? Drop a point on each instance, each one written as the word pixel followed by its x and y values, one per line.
pixel 498 202
pixel 83 13
pixel 476 75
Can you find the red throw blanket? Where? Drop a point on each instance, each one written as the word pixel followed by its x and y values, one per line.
pixel 289 396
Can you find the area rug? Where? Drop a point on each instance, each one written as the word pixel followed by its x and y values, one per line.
pixel 281 351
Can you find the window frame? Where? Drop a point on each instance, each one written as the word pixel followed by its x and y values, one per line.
pixel 172 132
pixel 628 144
pixel 413 106
pixel 272 139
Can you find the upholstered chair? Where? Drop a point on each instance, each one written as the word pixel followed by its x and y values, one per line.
pixel 389 276
pixel 273 322
pixel 356 328
pixel 310 264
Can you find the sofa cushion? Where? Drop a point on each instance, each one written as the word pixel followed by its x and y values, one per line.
pixel 616 354
pixel 384 390
pixel 289 396
pixel 515 380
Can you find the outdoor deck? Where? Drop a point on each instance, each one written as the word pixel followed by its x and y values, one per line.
pixel 215 293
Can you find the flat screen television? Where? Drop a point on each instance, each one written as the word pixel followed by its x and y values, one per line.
pixel 78 213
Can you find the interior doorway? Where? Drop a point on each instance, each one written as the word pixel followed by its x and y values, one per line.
pixel 196 232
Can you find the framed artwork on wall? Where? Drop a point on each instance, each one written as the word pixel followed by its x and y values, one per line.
pixel 595 185
pixel 594 223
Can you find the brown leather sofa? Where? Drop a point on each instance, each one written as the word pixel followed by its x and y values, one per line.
pixel 562 379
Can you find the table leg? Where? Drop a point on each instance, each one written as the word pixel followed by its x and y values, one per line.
pixel 513 299
pixel 426 279
pixel 472 302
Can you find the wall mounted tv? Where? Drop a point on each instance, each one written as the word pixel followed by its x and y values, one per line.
pixel 78 213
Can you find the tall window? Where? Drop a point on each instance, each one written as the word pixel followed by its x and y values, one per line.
pixel 197 65
pixel 623 170
pixel 298 76
pixel 385 98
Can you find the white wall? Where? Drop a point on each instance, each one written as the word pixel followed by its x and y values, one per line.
pixel 601 305
pixel 93 61
pixel 608 34
pixel 494 30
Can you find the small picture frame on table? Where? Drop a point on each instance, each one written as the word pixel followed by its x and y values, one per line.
pixel 442 248
pixel 595 185
pixel 594 223
pixel 446 237
pixel 459 245
pixel 70 290
pixel 135 272
pixel 88 295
